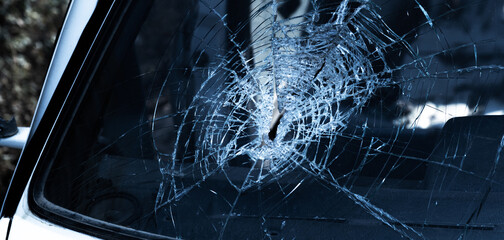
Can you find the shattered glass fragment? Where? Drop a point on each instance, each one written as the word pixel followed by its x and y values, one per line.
pixel 290 119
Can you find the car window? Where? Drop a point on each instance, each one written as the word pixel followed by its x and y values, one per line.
pixel 292 119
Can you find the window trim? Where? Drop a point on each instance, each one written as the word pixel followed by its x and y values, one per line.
pixel 91 48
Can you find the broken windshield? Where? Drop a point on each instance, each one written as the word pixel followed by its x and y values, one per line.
pixel 293 119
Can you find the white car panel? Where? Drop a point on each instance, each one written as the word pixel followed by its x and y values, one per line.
pixel 25 225
pixel 78 15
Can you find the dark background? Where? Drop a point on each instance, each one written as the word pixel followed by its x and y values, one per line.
pixel 28 30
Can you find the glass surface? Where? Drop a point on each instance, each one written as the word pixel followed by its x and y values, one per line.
pixel 296 119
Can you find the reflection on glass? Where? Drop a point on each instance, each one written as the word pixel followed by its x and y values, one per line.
pixel 294 119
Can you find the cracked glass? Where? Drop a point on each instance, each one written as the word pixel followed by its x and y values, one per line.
pixel 293 119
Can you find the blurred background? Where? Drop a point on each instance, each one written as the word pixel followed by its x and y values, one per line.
pixel 28 29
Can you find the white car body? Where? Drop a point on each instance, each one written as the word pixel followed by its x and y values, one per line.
pixel 25 224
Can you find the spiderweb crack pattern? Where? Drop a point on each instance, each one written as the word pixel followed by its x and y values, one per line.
pixel 283 108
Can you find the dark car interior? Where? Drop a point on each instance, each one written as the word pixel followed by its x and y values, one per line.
pixel 386 177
